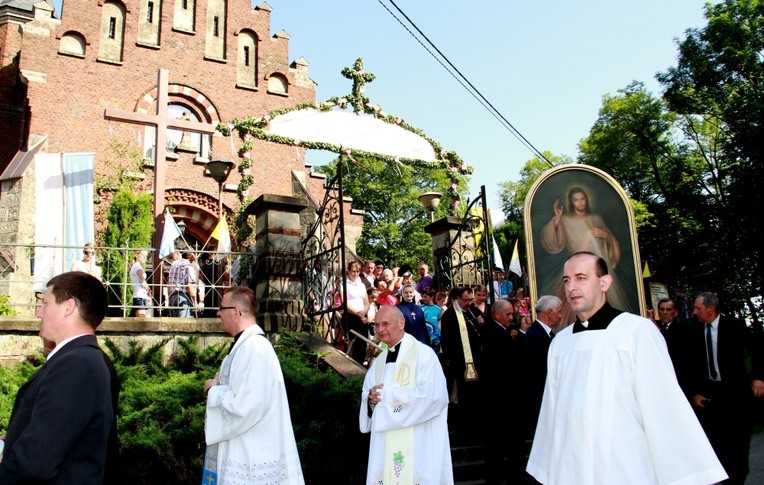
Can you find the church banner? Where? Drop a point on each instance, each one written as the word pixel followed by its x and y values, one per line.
pixel 574 208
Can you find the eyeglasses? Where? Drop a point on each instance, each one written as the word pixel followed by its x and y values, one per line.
pixel 220 309
pixel 89 252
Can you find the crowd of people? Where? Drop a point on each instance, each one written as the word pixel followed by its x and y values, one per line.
pixel 611 397
pixel 595 406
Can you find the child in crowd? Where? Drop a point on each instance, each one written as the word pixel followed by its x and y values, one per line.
pixel 432 317
pixel 385 296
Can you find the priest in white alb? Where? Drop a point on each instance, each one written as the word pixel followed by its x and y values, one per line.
pixel 613 411
pixel 248 428
pixel 405 407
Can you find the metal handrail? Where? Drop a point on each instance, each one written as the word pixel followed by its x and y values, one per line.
pixel 19 281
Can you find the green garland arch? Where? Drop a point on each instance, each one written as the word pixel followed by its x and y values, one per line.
pixel 253 128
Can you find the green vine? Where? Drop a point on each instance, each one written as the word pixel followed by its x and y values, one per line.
pixel 254 128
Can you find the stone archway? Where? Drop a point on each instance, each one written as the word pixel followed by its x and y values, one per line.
pixel 196 209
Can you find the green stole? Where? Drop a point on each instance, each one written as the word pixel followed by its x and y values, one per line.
pixel 399 443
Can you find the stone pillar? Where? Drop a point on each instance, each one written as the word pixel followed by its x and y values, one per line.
pixel 453 261
pixel 278 271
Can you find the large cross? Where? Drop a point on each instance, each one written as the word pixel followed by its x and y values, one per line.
pixel 161 122
pixel 359 78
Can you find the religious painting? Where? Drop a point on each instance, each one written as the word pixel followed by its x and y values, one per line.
pixel 575 208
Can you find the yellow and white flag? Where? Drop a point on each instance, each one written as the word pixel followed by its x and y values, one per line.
pixel 223 236
pixel 514 265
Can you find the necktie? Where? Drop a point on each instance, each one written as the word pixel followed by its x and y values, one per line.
pixel 551 334
pixel 710 353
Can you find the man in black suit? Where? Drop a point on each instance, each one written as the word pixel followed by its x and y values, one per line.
pixel 722 390
pixel 502 436
pixel 63 424
pixel 461 346
pixel 535 347
pixel 676 334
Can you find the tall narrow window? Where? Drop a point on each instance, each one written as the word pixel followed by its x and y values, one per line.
pixel 112 31
pixel 150 13
pixel 215 30
pixel 246 68
pixel 184 4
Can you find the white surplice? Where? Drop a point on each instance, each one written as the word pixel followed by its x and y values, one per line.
pixel 423 406
pixel 248 417
pixel 614 413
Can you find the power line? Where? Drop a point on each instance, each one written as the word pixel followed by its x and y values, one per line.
pixel 461 78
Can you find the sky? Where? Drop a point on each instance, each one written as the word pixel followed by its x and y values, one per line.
pixel 544 64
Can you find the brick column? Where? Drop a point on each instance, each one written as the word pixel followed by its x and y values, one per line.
pixel 277 274
pixel 457 256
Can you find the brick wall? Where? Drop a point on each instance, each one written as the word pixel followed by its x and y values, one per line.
pixel 68 93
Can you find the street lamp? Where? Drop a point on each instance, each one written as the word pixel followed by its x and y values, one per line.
pixel 430 201
pixel 219 171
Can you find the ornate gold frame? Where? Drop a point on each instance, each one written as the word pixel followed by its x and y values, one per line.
pixel 606 196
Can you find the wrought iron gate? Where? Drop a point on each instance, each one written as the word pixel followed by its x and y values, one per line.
pixel 467 260
pixel 323 256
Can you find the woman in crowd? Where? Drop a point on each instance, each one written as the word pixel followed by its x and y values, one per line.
pixel 354 316
pixel 412 313
pixel 140 285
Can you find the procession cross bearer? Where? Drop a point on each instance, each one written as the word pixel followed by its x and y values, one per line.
pixel 404 404
pixel 612 410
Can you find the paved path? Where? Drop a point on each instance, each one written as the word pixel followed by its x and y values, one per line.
pixel 756 460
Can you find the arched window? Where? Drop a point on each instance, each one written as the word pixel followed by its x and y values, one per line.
pixel 178 140
pixel 246 71
pixel 277 84
pixel 112 32
pixel 72 44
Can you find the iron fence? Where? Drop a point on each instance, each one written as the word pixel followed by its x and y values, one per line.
pixel 25 270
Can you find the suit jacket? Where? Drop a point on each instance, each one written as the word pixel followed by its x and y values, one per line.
pixel 734 344
pixel 676 336
pixel 498 358
pixel 62 426
pixel 534 350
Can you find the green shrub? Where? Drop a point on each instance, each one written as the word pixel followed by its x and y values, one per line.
pixel 161 411
pixel 5 306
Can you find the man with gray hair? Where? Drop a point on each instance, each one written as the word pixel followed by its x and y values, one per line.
pixel 721 388
pixel 534 352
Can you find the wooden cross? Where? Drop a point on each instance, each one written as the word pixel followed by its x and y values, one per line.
pixel 161 122
pixel 359 78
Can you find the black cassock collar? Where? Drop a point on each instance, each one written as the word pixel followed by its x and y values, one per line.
pixel 599 321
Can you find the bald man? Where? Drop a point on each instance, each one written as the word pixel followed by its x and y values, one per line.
pixel 612 408
pixel 404 405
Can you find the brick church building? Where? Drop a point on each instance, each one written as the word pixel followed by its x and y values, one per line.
pixel 59 78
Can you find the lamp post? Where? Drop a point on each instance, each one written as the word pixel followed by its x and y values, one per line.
pixel 219 171
pixel 430 201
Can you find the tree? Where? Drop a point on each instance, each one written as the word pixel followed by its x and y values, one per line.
pixel 513 194
pixel 718 84
pixel 130 223
pixel 394 221
pixel 669 165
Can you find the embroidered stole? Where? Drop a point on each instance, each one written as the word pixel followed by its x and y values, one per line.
pixel 398 464
pixel 470 373
pixel 210 473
